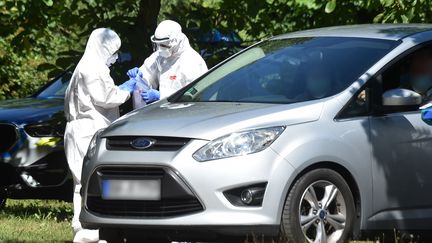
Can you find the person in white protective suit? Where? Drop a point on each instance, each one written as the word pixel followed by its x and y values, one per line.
pixel 91 103
pixel 172 65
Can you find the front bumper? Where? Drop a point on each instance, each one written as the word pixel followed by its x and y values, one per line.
pixel 32 167
pixel 190 233
pixel 207 181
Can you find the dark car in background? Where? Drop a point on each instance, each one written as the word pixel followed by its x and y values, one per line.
pixel 216 45
pixel 33 164
pixel 32 159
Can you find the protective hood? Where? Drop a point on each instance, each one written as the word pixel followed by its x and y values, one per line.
pixel 183 44
pixel 91 93
pixel 175 52
pixel 170 33
pixel 166 32
pixel 101 45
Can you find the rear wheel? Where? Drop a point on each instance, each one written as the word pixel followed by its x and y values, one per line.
pixel 319 208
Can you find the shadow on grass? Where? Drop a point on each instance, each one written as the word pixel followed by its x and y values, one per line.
pixel 388 236
pixel 24 241
pixel 38 209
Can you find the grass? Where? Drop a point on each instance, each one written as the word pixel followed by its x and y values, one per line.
pixel 50 221
pixel 36 221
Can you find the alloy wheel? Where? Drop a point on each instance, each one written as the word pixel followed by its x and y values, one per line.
pixel 322 212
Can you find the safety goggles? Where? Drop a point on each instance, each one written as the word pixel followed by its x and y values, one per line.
pixel 161 43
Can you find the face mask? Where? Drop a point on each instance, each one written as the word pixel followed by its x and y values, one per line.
pixel 111 60
pixel 318 88
pixel 421 83
pixel 164 52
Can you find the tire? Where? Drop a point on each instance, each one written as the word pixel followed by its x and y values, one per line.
pixel 110 235
pixel 323 201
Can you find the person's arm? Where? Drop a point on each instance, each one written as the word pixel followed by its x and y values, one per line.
pixel 104 93
pixel 150 71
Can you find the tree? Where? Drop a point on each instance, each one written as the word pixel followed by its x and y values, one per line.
pixel 40 39
pixel 257 19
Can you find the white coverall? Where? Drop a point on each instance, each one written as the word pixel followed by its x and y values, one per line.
pixel 179 69
pixel 91 103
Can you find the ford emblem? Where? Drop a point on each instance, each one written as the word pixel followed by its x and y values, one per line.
pixel 142 143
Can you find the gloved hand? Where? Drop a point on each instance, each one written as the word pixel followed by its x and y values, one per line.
pixel 132 73
pixel 150 95
pixel 427 116
pixel 128 85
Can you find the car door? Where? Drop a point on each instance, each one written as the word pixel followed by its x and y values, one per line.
pixel 401 145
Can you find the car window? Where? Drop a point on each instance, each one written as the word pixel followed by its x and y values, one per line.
pixel 359 105
pixel 406 73
pixel 57 88
pixel 288 70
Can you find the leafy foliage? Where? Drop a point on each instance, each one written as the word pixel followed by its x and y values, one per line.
pixel 257 19
pixel 27 40
pixel 38 39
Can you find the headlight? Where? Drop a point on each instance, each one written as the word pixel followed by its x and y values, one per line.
pixel 45 130
pixel 239 143
pixel 48 142
pixel 91 151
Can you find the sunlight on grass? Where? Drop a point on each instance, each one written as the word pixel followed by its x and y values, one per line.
pixel 49 221
pixel 35 221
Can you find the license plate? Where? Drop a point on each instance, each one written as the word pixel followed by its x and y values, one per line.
pixel 131 190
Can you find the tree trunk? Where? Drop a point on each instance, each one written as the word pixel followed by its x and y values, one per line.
pixel 144 28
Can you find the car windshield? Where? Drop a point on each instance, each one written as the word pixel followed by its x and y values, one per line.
pixel 288 70
pixel 57 88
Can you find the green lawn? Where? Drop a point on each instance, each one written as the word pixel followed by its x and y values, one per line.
pixel 36 221
pixel 44 221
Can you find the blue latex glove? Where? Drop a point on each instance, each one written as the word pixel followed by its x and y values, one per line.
pixel 427 116
pixel 128 86
pixel 150 95
pixel 132 73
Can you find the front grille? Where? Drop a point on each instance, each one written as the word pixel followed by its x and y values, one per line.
pixel 160 143
pixel 150 209
pixel 176 197
pixel 132 172
pixel 9 136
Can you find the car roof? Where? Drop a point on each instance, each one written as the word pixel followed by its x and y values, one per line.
pixel 375 31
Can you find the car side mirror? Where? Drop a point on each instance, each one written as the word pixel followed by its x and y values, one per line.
pixel 401 97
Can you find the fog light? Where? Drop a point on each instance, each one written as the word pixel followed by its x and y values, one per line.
pixel 247 196
pixel 252 195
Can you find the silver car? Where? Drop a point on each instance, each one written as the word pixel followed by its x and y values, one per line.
pixel 310 136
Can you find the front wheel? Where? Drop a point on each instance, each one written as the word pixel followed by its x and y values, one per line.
pixel 319 208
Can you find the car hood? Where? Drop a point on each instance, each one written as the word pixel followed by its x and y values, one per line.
pixel 29 110
pixel 210 120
